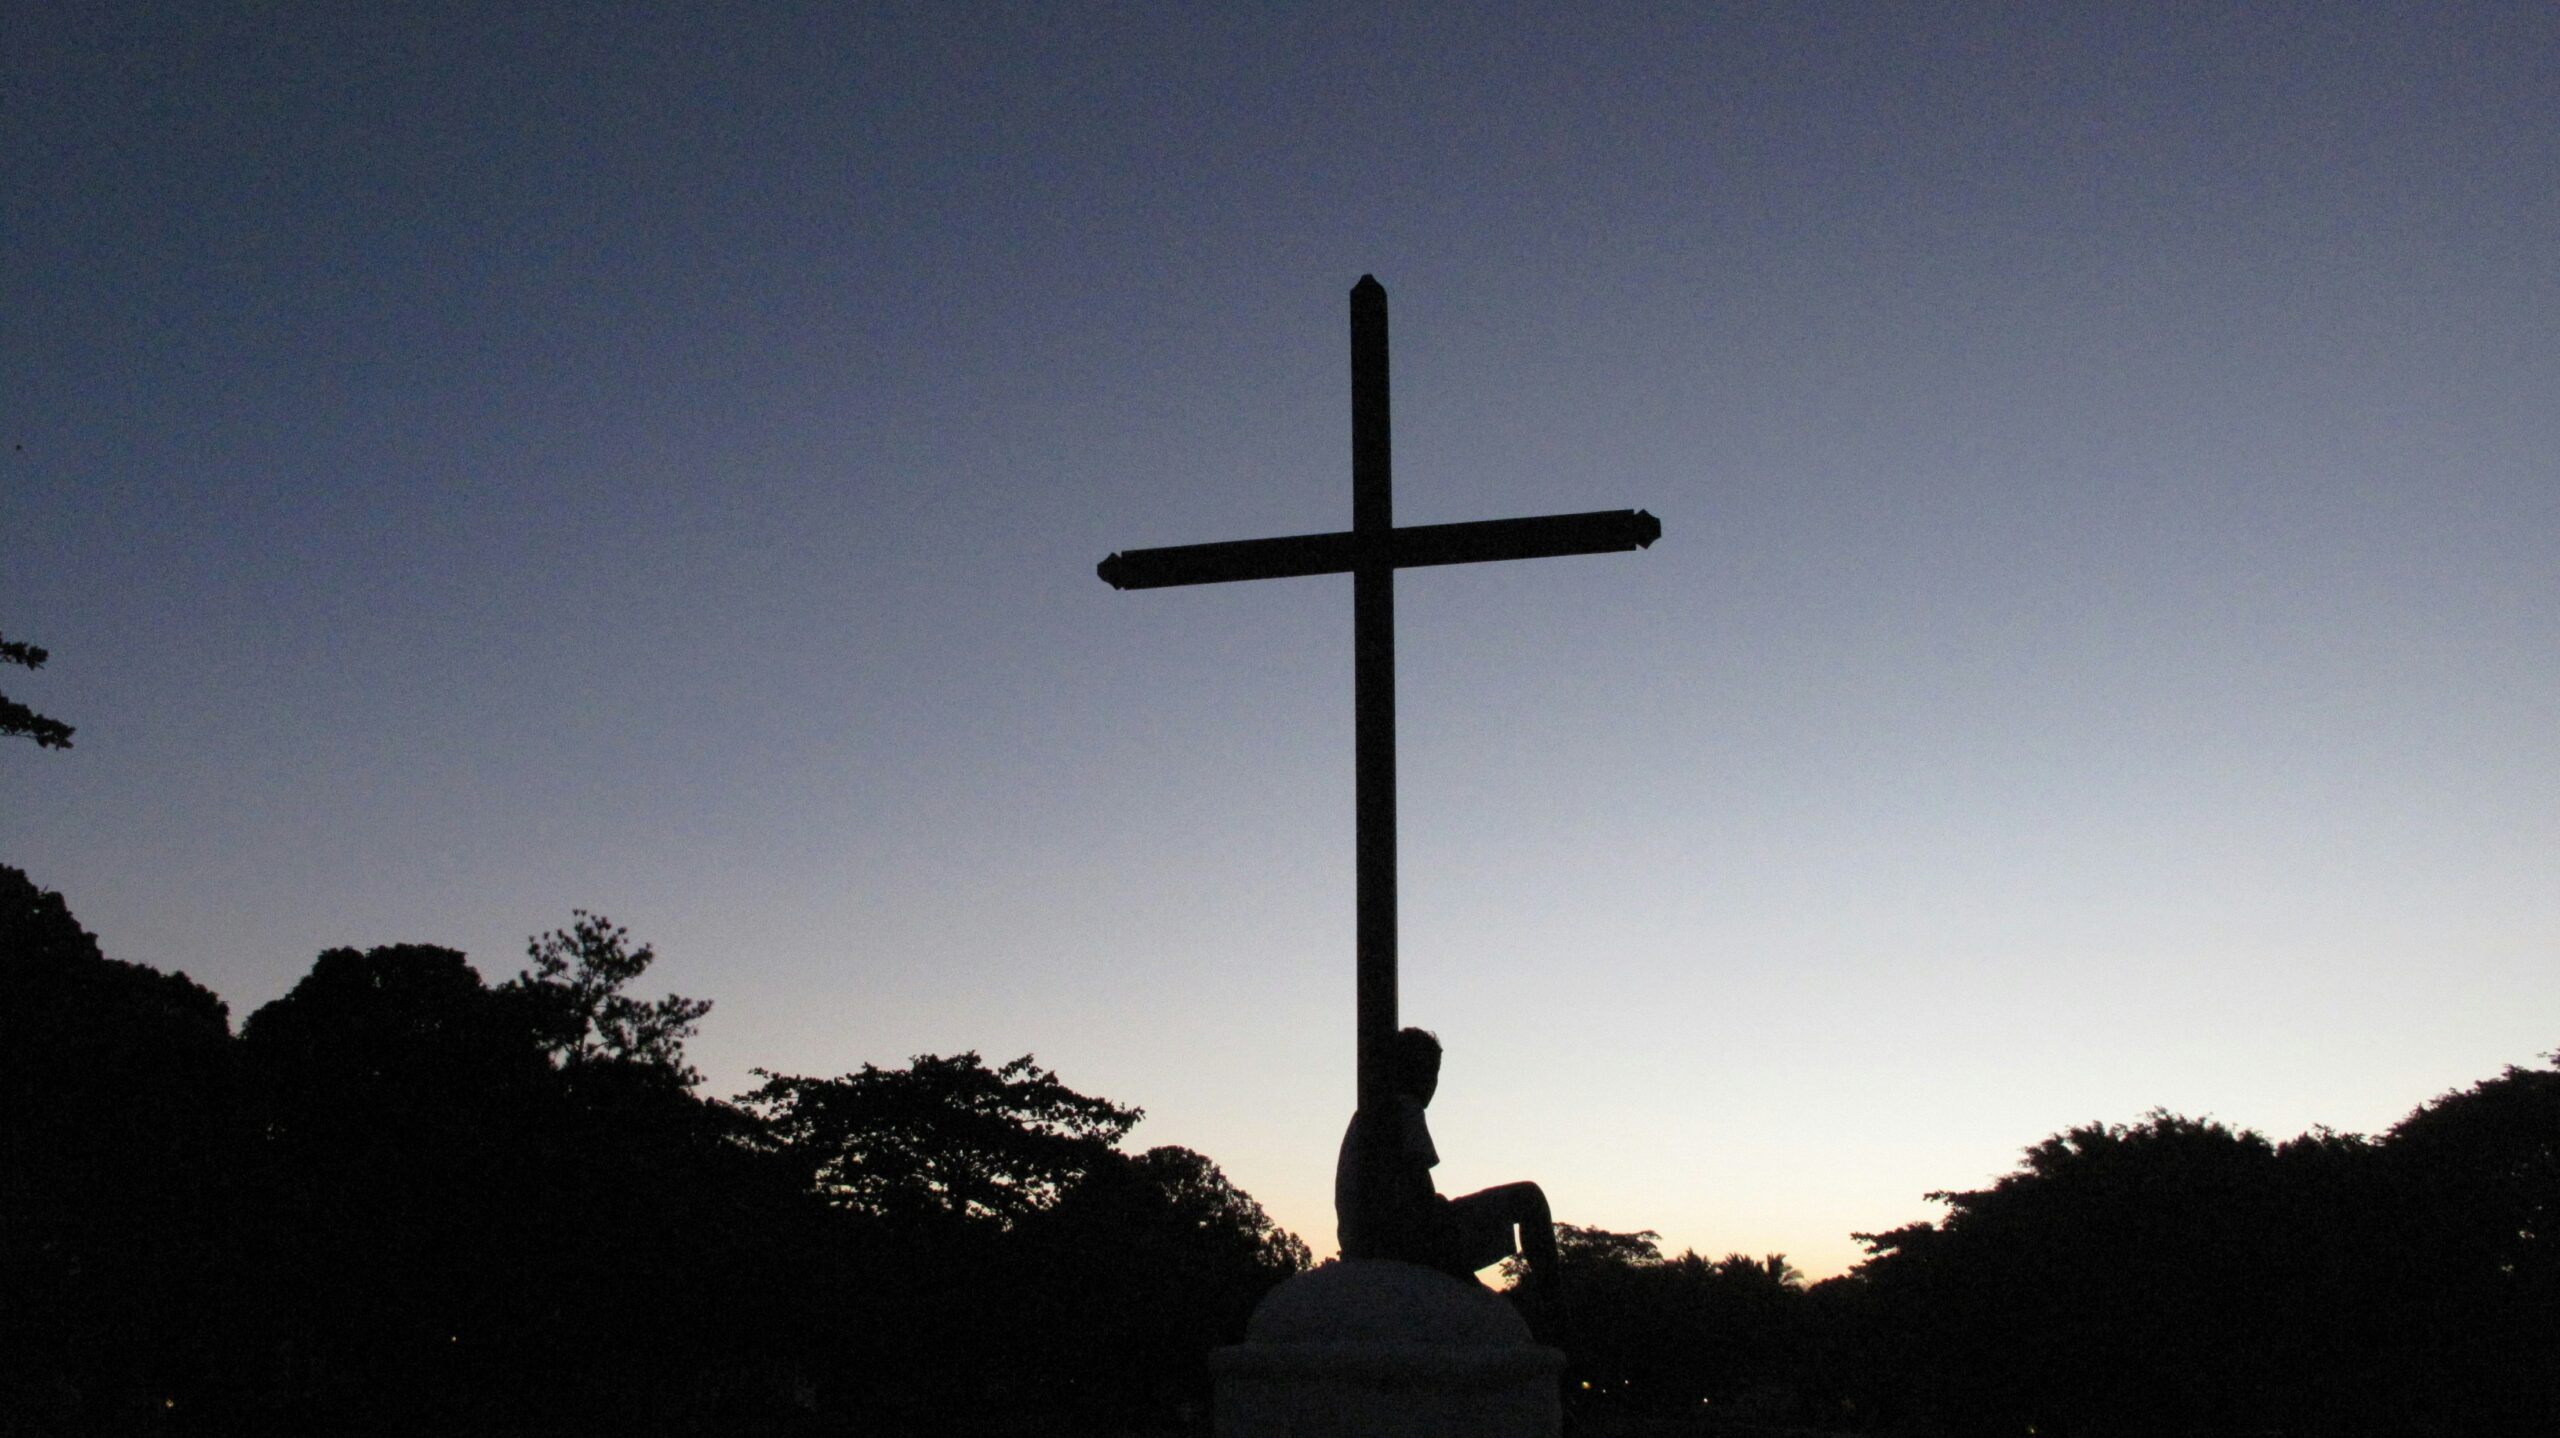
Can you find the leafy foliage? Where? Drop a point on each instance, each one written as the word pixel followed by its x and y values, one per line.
pixel 2473 1184
pixel 582 1017
pixel 16 719
pixel 1002 1253
pixel 115 1146
pixel 1682 1337
pixel 941 1138
pixel 403 1200
pixel 2175 1275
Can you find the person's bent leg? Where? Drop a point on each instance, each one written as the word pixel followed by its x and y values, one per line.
pixel 1476 1233
pixel 1487 1220
pixel 1489 1216
pixel 1526 1205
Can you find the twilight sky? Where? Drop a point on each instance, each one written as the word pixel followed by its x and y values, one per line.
pixel 475 461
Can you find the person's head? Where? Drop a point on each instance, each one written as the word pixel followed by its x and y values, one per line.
pixel 1417 1063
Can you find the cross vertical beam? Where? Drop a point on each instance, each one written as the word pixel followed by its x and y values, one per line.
pixel 1371 551
pixel 1373 690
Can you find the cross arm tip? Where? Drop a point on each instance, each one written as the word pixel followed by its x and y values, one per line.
pixel 1111 571
pixel 1648 529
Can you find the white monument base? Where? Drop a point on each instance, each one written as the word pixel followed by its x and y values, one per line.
pixel 1367 1348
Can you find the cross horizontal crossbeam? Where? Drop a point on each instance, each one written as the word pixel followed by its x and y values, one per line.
pixel 1603 531
pixel 1371 552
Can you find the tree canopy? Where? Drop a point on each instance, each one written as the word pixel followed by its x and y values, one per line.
pixel 942 1137
pixel 582 1017
pixel 402 1199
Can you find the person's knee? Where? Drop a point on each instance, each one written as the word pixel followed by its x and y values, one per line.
pixel 1526 1202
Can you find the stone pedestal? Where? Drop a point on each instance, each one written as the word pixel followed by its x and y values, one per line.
pixel 1373 1349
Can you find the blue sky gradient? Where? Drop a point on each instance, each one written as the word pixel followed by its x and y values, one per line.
pixel 474 461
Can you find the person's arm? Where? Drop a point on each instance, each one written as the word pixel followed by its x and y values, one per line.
pixel 1416 1199
pixel 1389 1156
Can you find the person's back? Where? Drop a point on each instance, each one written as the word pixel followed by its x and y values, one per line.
pixel 1385 1205
pixel 1382 1190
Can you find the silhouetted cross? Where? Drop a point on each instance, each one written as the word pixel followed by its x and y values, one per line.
pixel 1372 550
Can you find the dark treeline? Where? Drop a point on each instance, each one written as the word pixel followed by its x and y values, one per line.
pixel 404 1200
pixel 2171 1276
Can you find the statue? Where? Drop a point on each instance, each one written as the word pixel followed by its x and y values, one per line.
pixel 1387 1347
pixel 1386 1206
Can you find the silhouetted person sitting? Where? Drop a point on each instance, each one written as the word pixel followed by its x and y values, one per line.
pixel 1386 1207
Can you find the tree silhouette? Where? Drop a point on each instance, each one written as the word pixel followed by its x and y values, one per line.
pixel 16 719
pixel 2175 1275
pixel 406 1201
pixel 1684 1338
pixel 115 1160
pixel 2118 1278
pixel 1000 1253
pixel 943 1138
pixel 1134 1274
pixel 401 1108
pixel 497 1208
pixel 2474 1177
pixel 582 1016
